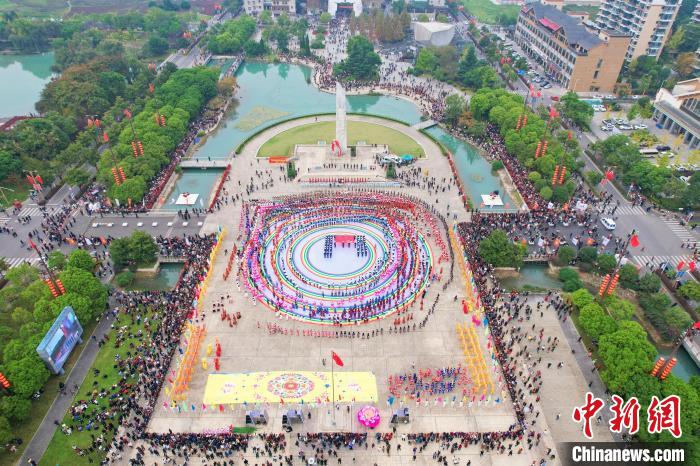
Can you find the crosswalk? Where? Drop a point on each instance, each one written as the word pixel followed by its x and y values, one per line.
pixel 652 262
pixel 31 211
pixel 15 261
pixel 680 230
pixel 629 210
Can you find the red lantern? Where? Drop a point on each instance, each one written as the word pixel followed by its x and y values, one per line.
pixel 61 288
pixel 121 173
pixel 140 147
pixel 603 285
pixel 562 175
pixel 151 88
pixel 134 149
pixel 117 181
pixel 52 288
pixel 105 138
pixel 613 284
pixel 658 366
pixel 668 368
pixel 3 381
pixel 127 113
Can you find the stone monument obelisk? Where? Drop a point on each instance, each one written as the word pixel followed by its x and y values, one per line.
pixel 341 128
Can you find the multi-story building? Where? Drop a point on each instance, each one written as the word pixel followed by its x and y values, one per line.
pixel 578 58
pixel 647 22
pixel 678 111
pixel 276 7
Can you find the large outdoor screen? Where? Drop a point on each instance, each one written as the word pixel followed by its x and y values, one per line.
pixel 60 340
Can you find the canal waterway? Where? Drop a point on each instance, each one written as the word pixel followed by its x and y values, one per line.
pixel 23 77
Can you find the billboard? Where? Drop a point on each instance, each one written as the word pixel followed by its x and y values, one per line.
pixel 60 340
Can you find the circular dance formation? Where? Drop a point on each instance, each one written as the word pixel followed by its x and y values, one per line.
pixel 336 259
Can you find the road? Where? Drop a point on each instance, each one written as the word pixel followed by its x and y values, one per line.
pixel 660 234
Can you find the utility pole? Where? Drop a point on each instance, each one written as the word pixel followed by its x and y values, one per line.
pixel 607 286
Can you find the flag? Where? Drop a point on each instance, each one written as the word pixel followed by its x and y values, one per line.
pixel 336 359
pixel 634 241
pixel 691 266
pixel 696 325
pixel 38 179
pixel 105 138
pixel 680 265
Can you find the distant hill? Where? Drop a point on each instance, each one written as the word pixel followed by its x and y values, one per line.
pixel 72 7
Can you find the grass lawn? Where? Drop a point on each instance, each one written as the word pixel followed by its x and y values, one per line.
pixel 488 12
pixel 21 191
pixel 40 407
pixel 283 143
pixel 60 451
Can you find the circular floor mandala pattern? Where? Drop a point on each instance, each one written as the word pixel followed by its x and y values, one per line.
pixel 337 260
pixel 290 385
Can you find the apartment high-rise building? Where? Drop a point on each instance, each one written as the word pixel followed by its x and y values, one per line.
pixel 647 22
pixel 580 59
pixel 276 7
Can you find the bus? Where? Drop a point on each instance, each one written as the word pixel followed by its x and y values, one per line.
pixel 648 153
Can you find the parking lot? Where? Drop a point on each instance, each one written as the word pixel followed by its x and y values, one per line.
pixel 664 150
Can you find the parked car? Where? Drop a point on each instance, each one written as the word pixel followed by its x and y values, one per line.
pixel 625 127
pixel 663 148
pixel 546 85
pixel 640 126
pixel 608 223
pixel 555 98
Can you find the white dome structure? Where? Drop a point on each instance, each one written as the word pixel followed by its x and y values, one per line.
pixel 433 33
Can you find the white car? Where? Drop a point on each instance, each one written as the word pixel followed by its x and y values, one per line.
pixel 608 223
pixel 640 126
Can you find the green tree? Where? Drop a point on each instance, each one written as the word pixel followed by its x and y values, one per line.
pixel 565 254
pixel 142 248
pixel 629 275
pixel 678 319
pixel 595 321
pixel 606 263
pixel 6 431
pixel 81 259
pixel 581 298
pixel 454 107
pixel 119 251
pixel 125 278
pixel 76 177
pixel 624 355
pixel 619 309
pixel 546 193
pixel 16 408
pixel 362 62
pixel 28 375
pixel 649 283
pixel 325 17
pixel 498 250
pixel 690 290
pixel 576 110
pixel 588 254
pixel 57 260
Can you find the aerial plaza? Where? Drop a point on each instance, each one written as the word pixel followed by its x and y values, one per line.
pixel 325 299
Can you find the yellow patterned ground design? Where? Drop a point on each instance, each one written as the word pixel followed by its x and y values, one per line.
pixel 289 387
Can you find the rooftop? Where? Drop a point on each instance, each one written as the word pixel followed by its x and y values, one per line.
pixel 436 26
pixel 555 20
